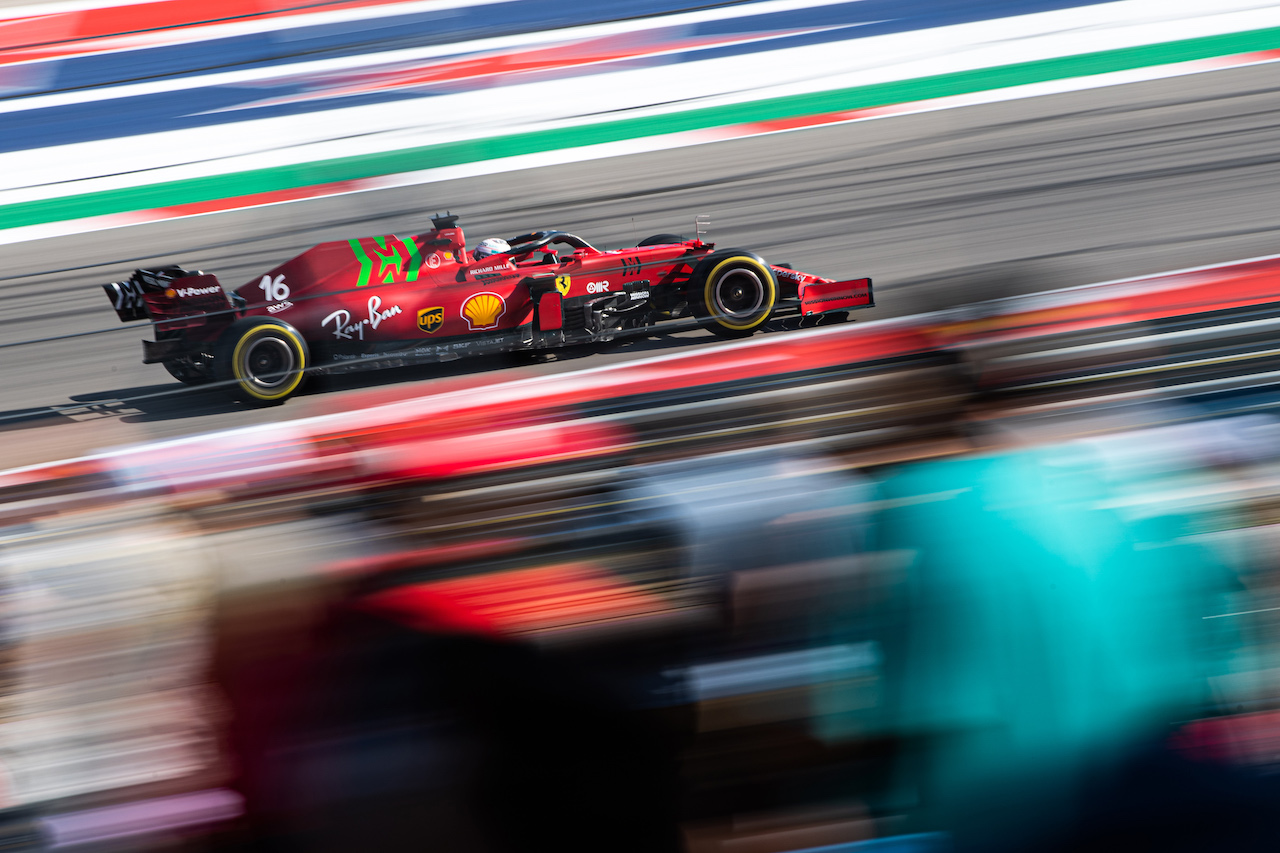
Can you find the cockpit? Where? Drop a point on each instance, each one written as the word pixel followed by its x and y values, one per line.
pixel 548 245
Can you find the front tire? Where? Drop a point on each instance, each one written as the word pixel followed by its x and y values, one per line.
pixel 263 360
pixel 737 295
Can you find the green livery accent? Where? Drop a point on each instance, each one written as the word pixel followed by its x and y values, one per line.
pixel 415 259
pixel 366 262
pixel 389 270
pixel 238 184
pixel 393 265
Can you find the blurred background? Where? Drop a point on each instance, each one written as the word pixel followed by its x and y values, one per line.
pixel 990 568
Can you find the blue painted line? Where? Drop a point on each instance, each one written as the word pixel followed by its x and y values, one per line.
pixel 896 15
pixel 326 41
pixel 192 108
pixel 427 29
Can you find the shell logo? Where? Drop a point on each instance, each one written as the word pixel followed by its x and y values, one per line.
pixel 483 310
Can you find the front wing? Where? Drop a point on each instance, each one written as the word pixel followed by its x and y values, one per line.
pixel 819 297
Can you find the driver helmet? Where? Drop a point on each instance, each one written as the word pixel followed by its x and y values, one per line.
pixel 491 246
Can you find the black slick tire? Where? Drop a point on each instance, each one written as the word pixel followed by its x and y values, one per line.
pixel 262 360
pixel 736 294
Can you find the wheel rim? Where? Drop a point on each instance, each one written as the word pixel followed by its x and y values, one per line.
pixel 268 363
pixel 739 294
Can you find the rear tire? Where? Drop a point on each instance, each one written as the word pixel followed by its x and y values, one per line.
pixel 263 360
pixel 736 296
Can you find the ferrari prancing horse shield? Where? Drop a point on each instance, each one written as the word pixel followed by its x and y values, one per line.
pixel 430 319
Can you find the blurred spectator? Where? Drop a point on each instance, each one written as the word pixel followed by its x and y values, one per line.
pixel 428 737
pixel 1046 648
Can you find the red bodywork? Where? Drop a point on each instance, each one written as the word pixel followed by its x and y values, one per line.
pixel 394 300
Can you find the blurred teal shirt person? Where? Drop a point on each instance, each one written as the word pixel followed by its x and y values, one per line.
pixel 1040 637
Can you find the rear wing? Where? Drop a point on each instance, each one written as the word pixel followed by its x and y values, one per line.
pixel 172 297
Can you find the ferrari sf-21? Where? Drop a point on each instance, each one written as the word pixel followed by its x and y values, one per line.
pixel 390 301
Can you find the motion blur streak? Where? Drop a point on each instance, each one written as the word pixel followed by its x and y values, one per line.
pixel 299 106
pixel 974 579
pixel 994 571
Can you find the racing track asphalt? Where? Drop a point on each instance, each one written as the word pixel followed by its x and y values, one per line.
pixel 939 208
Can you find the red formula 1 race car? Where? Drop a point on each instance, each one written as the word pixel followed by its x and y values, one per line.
pixel 391 301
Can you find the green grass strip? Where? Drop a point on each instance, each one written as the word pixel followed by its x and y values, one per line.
pixel 217 187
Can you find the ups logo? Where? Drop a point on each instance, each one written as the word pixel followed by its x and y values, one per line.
pixel 430 319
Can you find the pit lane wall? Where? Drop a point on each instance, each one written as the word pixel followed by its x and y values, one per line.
pixel 143 111
pixel 148 562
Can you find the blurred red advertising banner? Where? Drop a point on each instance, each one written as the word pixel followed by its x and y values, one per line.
pixel 520 601
pixel 1198 291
